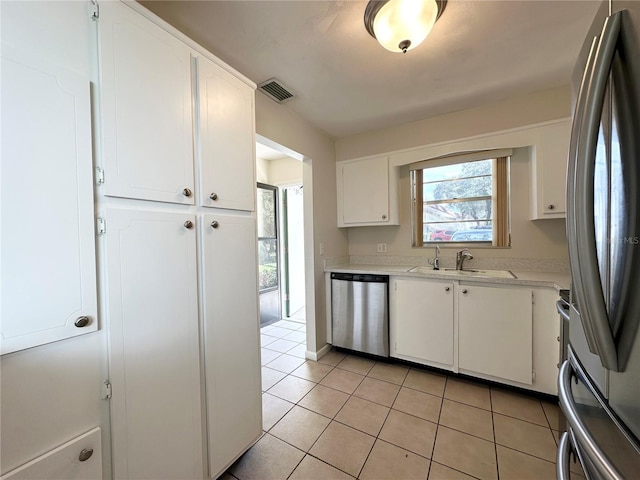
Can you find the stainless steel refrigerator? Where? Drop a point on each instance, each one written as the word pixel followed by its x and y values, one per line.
pixel 599 384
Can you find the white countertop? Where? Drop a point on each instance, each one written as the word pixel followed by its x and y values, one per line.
pixel 557 280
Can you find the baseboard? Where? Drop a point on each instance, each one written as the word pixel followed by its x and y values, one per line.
pixel 315 356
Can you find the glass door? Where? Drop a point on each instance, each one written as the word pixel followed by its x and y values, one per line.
pixel 268 260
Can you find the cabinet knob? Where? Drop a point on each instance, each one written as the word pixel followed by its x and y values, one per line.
pixel 186 192
pixel 446 289
pixel 213 196
pixel 384 217
pixel 85 454
pixel 551 206
pixel 214 224
pixel 464 290
pixel 82 321
pixel 188 224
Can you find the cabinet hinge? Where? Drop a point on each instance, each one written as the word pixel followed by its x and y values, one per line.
pixel 94 10
pixel 99 176
pixel 106 390
pixel 102 226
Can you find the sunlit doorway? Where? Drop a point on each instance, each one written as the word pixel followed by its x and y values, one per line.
pixel 268 254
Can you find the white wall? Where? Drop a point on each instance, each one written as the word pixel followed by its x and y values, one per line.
pixel 262 170
pixel 285 171
pixel 530 239
pixel 52 393
pixel 281 125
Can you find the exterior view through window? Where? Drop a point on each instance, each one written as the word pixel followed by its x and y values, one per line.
pixel 459 201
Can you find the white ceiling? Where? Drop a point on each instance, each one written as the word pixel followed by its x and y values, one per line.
pixel 480 51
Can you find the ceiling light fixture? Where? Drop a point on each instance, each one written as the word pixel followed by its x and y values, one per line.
pixel 402 25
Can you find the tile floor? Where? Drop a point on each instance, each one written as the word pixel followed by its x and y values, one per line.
pixel 347 417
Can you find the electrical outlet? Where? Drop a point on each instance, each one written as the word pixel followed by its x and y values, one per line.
pixel 321 248
pixel 382 248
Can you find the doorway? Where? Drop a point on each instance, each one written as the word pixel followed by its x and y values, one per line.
pixel 293 275
pixel 268 254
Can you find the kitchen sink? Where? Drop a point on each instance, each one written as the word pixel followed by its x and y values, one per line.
pixel 465 273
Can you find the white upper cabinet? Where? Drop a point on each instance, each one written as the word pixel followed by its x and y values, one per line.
pixel 226 138
pixel 496 332
pixel 367 193
pixel 48 269
pixel 154 345
pixel 549 172
pixel 146 108
pixel 231 336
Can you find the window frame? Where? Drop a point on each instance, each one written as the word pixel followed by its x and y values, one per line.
pixel 500 221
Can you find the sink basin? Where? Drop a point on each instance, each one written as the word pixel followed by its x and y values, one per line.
pixel 465 273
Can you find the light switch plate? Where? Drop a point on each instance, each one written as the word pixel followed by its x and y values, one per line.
pixel 382 248
pixel 321 248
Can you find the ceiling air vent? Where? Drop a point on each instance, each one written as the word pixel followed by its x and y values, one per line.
pixel 275 90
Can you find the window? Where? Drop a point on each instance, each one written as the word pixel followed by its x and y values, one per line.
pixel 267 237
pixel 462 199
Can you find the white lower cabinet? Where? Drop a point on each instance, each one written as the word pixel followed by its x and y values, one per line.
pixel 231 337
pixel 495 334
pixel 154 343
pixel 422 329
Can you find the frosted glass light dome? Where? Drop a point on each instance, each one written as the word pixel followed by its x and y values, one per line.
pixel 401 25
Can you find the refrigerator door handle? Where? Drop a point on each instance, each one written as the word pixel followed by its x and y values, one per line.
pixel 562 464
pixel 593 309
pixel 582 435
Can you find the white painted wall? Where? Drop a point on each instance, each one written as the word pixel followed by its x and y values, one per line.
pixel 52 393
pixel 281 125
pixel 285 171
pixel 262 170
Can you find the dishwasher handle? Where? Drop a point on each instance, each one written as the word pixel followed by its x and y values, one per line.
pixel 360 277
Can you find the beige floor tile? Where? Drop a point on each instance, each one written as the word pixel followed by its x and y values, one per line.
pixel 409 432
pixel 357 365
pixel 286 324
pixel 342 380
pixel 313 469
pixel 269 458
pixel 281 345
pixel 427 382
pixel 440 472
pixel 266 339
pixel 343 447
pixel 270 377
pixel 296 336
pixel 524 437
pixel 286 363
pixel 377 391
pixel 312 371
pixel 363 415
pixel 273 409
pixel 467 419
pixel 554 415
pixel 556 436
pixel 466 453
pixel 300 427
pixel 518 406
pixel 292 388
pixel 389 372
pixel 332 358
pixel 420 404
pixel 226 476
pixel 467 392
pixel 300 351
pixel 268 355
pixel 514 465
pixel 387 461
pixel 276 331
pixel 324 400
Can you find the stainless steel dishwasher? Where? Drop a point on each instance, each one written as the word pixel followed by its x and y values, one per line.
pixel 360 312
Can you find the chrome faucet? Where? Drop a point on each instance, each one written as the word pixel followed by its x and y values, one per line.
pixel 461 256
pixel 436 260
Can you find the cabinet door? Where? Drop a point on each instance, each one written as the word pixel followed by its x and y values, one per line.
pixel 47 216
pixel 231 337
pixel 146 108
pixel 495 332
pixel 227 140
pixel 365 191
pixel 154 345
pixel 422 318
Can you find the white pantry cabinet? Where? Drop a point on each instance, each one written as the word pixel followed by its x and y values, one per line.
pixel 47 217
pixel 367 192
pixel 152 305
pixel 422 321
pixel 146 108
pixel 231 336
pixel 496 332
pixel 226 138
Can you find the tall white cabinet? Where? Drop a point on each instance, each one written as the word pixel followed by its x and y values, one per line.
pixel 178 204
